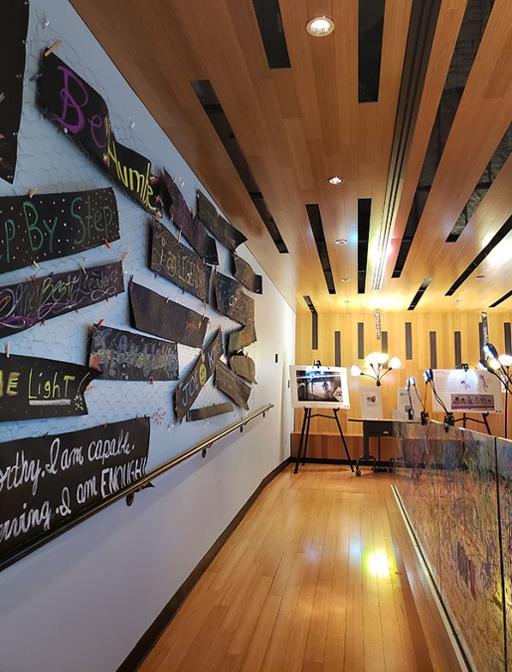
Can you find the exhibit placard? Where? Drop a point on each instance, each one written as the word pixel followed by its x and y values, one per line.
pixel 471 391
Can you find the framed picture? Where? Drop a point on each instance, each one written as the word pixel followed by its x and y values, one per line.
pixel 319 386
pixel 471 391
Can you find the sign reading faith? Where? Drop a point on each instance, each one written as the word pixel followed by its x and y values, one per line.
pixel 178 264
pixel 233 386
pixel 28 303
pixel 193 230
pixel 47 226
pixel 13 36
pixel 80 111
pixel 47 481
pixel 31 387
pixel 221 229
pixel 123 355
pixel 232 300
pixel 244 274
pixel 241 338
pixel 188 389
pixel 160 316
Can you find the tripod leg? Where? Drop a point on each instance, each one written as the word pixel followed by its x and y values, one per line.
pixel 299 447
pixel 349 458
pixel 306 438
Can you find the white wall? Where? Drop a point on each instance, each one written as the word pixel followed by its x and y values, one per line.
pixel 81 602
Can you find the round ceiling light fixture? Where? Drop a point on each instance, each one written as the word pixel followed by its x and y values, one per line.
pixel 335 180
pixel 480 277
pixel 320 26
pixel 344 279
pixel 341 241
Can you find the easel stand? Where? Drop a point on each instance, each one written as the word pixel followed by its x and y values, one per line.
pixel 464 420
pixel 304 436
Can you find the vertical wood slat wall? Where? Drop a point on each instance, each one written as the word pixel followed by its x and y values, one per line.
pixel 444 325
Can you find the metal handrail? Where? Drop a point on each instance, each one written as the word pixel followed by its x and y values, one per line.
pixel 130 490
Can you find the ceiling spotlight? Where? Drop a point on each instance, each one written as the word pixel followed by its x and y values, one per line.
pixel 320 26
pixel 335 180
pixel 341 241
pixel 480 277
pixel 344 279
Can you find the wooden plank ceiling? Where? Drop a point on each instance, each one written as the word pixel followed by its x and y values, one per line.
pixel 300 125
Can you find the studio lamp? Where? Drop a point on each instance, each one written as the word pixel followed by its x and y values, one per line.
pixel 499 366
pixel 377 365
pixel 411 387
pixel 428 377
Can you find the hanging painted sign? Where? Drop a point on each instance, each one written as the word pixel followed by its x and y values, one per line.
pixel 47 481
pixel 165 318
pixel 123 355
pixel 243 366
pixel 178 264
pixel 13 36
pixel 233 386
pixel 241 338
pixel 31 387
pixel 221 229
pixel 48 226
pixel 188 389
pixel 28 303
pixel 232 301
pixel 244 274
pixel 75 107
pixel 209 411
pixel 193 230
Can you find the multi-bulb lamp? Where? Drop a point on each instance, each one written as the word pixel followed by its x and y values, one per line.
pixel 377 364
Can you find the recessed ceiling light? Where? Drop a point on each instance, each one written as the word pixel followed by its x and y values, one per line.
pixel 320 26
pixel 341 241
pixel 346 301
pixel 480 277
pixel 335 180
pixel 344 279
pixel 458 300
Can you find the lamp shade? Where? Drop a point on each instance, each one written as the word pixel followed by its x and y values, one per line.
pixel 376 359
pixel 355 370
pixel 505 360
pixel 395 363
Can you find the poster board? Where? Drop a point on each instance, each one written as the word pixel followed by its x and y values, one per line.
pixel 371 403
pixel 319 387
pixel 471 391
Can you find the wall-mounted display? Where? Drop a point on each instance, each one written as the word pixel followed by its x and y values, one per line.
pixel 319 386
pixel 13 36
pixel 221 229
pixel 188 389
pixel 232 386
pixel 231 300
pixel 193 230
pixel 75 107
pixel 471 391
pixel 243 366
pixel 123 355
pixel 177 263
pixel 32 387
pixel 49 480
pixel 28 303
pixel 244 274
pixel 47 226
pixel 371 403
pixel 241 338
pixel 162 317
pixel 209 411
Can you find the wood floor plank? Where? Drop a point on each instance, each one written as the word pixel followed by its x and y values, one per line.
pixel 320 576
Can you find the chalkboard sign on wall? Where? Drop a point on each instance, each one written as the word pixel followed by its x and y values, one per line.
pixel 244 274
pixel 48 226
pixel 123 355
pixel 13 35
pixel 221 229
pixel 232 300
pixel 29 303
pixel 80 111
pixel 193 230
pixel 162 317
pixel 32 387
pixel 233 386
pixel 46 481
pixel 177 263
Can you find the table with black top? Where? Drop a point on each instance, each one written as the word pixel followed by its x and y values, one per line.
pixel 378 429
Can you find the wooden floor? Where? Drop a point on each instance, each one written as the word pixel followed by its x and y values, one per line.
pixel 320 575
